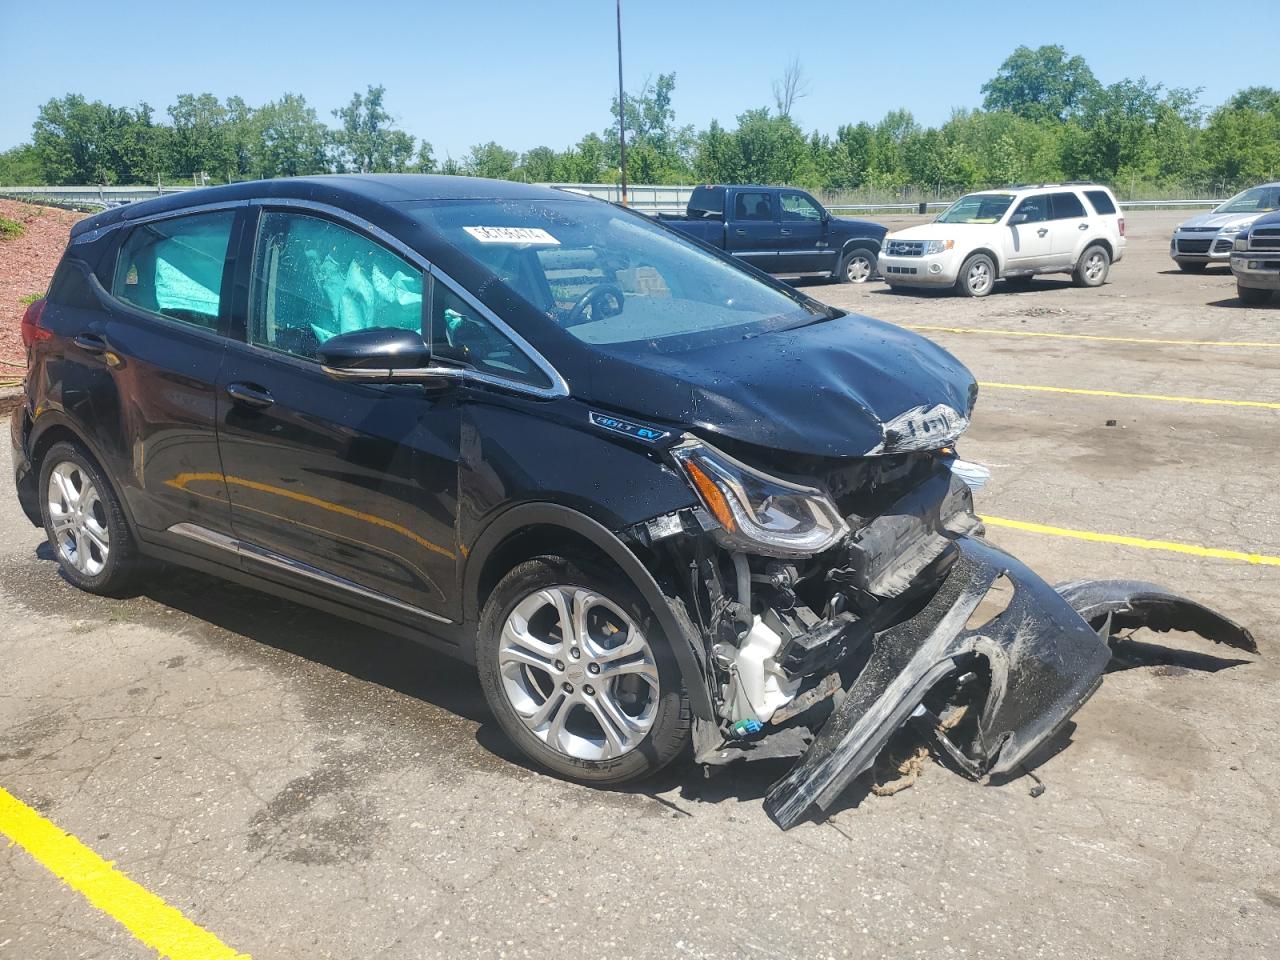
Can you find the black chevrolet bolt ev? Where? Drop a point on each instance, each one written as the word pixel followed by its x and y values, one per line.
pixel 654 495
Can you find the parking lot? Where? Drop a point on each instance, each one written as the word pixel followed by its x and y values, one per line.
pixel 301 788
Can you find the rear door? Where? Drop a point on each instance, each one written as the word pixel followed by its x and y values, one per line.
pixel 1030 242
pixel 753 228
pixel 1070 228
pixel 139 369
pixel 803 245
pixel 349 487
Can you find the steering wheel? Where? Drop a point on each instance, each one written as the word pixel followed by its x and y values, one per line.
pixel 597 298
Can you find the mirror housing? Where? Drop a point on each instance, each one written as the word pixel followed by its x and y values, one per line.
pixel 380 355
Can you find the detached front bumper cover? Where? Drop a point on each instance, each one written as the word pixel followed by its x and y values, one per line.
pixel 1046 653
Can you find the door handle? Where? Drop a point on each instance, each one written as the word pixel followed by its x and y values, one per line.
pixel 1042 231
pixel 1083 226
pixel 741 232
pixel 248 396
pixel 91 343
pixel 786 233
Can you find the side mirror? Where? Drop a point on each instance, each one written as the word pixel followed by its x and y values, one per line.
pixel 1017 218
pixel 380 355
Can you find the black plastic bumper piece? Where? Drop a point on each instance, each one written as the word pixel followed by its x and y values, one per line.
pixel 1044 658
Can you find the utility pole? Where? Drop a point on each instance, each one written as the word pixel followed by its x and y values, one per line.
pixel 622 111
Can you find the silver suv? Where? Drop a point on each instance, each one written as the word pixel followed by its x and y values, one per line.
pixel 1207 238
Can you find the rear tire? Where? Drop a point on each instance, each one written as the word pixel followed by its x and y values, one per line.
pixel 1252 296
pixel 570 696
pixel 977 276
pixel 85 523
pixel 1093 267
pixel 1191 266
pixel 857 266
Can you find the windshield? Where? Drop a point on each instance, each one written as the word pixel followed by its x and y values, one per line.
pixel 977 208
pixel 611 277
pixel 1255 200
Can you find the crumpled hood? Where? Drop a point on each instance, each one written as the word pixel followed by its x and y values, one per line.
pixel 1220 220
pixel 824 389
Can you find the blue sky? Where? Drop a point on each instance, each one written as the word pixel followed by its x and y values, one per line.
pixel 530 73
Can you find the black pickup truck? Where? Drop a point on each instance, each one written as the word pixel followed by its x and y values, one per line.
pixel 782 231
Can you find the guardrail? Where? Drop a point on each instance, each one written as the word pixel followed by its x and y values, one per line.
pixel 648 198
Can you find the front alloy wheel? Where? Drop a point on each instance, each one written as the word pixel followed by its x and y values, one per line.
pixel 579 673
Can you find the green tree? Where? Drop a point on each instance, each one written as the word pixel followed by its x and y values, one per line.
pixel 490 160
pixel 368 141
pixel 20 166
pixel 201 140
pixel 291 140
pixel 1040 84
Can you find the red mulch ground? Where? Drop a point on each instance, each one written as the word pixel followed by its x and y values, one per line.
pixel 26 264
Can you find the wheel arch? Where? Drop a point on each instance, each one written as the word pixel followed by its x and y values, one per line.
pixel 990 252
pixel 529 530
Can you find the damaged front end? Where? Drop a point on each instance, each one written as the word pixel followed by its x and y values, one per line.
pixel 834 612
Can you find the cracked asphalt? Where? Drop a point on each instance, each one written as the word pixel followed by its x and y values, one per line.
pixel 305 788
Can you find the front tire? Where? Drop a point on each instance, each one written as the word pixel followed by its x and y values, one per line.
pixel 578 673
pixel 977 276
pixel 1252 296
pixel 857 266
pixel 1093 267
pixel 85 523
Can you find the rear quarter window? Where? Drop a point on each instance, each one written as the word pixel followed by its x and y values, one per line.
pixel 1066 206
pixel 70 286
pixel 1101 201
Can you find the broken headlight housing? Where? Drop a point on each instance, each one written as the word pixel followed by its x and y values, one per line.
pixel 759 513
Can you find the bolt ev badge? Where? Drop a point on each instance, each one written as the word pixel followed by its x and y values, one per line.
pixel 625 427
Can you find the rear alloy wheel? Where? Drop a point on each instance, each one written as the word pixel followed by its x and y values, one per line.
pixel 977 276
pixel 579 674
pixel 1252 295
pixel 1092 267
pixel 84 522
pixel 858 266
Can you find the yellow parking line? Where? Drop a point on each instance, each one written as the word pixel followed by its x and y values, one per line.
pixel 140 911
pixel 1166 545
pixel 1264 404
pixel 995 331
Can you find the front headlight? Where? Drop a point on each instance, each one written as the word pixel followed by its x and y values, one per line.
pixel 937 246
pixel 759 513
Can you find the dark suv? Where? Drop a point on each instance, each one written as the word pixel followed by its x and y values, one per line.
pixel 656 496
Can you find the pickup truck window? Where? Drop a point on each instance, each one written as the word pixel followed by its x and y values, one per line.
pixel 753 206
pixel 977 208
pixel 796 206
pixel 609 276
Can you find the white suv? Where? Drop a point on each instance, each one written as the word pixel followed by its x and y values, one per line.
pixel 1012 234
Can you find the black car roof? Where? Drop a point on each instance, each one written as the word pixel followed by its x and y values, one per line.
pixel 344 190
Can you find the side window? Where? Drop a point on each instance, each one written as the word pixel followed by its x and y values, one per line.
pixel 1067 206
pixel 314 279
pixel 1101 201
pixel 1034 209
pixel 461 334
pixel 174 267
pixel 796 206
pixel 753 206
pixel 70 286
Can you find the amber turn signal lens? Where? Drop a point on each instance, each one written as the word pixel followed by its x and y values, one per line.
pixel 711 495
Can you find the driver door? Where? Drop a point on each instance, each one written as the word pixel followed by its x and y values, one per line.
pixel 348 487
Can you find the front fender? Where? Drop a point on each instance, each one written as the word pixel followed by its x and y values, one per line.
pixel 685 644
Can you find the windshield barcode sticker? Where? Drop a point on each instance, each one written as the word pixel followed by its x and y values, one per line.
pixel 511 235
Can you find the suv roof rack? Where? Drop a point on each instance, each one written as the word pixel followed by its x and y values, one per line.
pixel 1063 183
